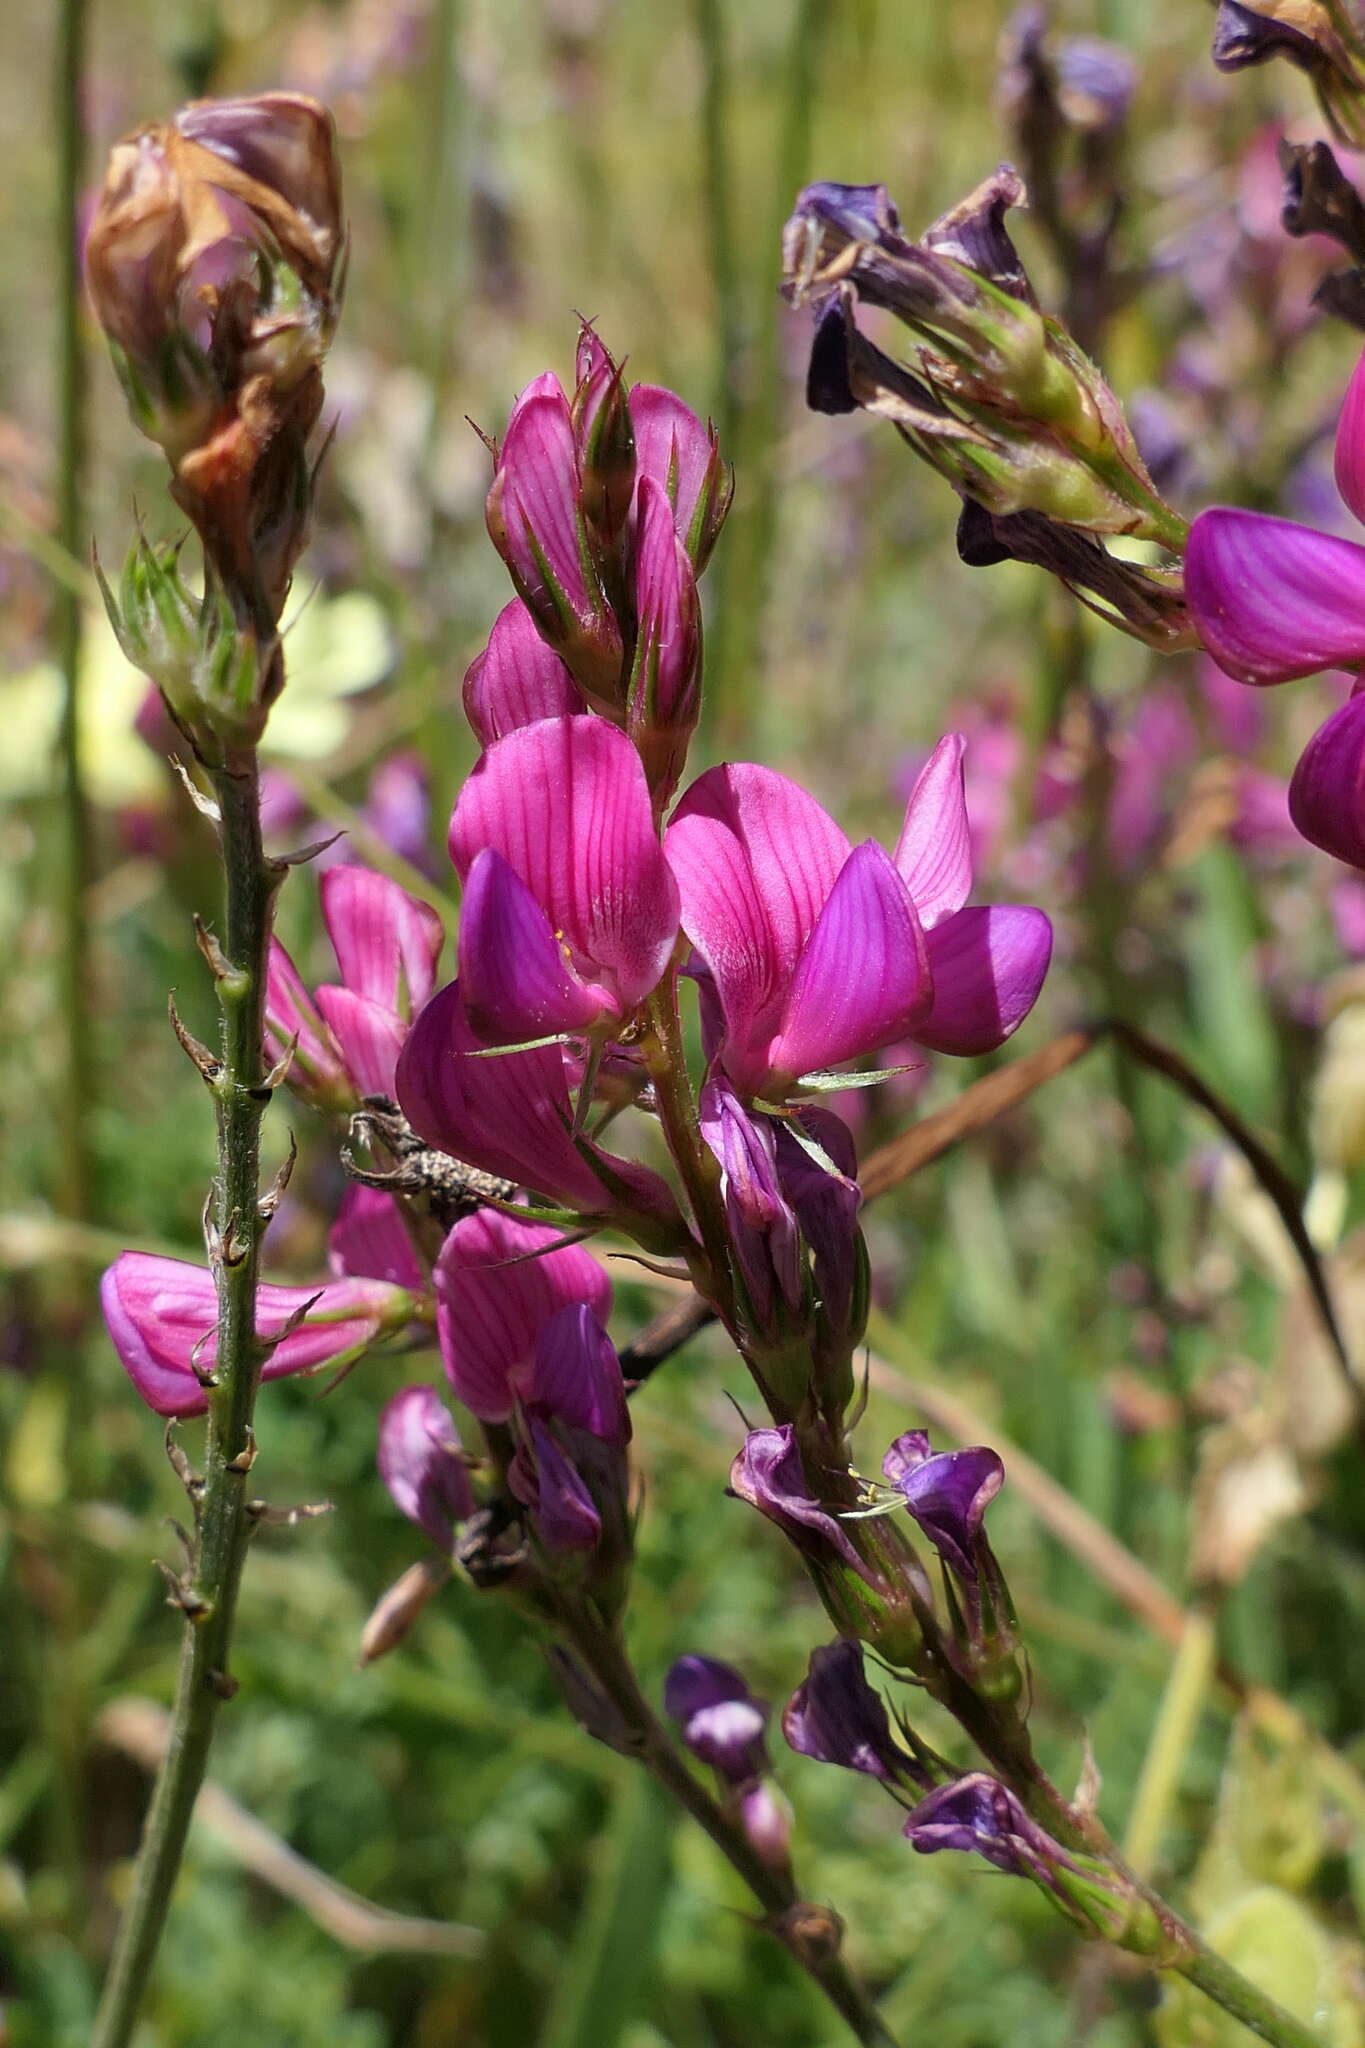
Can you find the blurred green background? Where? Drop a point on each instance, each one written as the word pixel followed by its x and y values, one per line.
pixel 1094 1277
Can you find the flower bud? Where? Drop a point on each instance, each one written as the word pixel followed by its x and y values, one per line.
pixel 208 673
pixel 683 457
pixel 422 1463
pixel 605 437
pixel 213 263
pixel 720 1720
pixel 835 1717
pixel 1315 36
pixel 664 701
pixel 1001 401
pixel 537 522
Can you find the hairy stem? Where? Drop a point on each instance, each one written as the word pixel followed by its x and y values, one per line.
pixel 604 1656
pixel 223 1523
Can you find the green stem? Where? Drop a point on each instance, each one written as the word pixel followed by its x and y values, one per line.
pixel 1229 1989
pixel 604 1655
pixel 720 227
pixel 1177 1718
pixel 78 1009
pixel 223 1519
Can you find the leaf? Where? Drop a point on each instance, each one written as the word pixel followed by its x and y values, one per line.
pixel 602 1983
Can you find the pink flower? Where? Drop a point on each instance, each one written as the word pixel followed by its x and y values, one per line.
pixel 517 679
pixel 821 952
pixel 509 1113
pixel 570 912
pixel 349 1036
pixel 519 1315
pixel 162 1315
pixel 1274 600
pixel 499 1283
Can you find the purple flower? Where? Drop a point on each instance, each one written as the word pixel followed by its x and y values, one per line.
pixel 821 952
pixel 769 1474
pixel 162 1315
pixel 947 1492
pixel 764 1237
pixel 720 1720
pixel 570 912
pixel 978 1813
pixel 350 1035
pixel 422 1463
pixel 835 1717
pixel 537 524
pixel 517 679
pixel 510 1115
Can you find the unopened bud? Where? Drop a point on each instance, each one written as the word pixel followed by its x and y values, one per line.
pixel 605 437
pixel 208 671
pixel 213 263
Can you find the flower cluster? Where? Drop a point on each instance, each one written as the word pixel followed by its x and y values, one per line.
pixel 590 898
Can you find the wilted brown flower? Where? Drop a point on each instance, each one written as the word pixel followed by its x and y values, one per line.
pixel 213 263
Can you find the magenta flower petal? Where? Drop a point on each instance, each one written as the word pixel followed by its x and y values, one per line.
pixel 666 689
pixel 1274 600
pixel 1350 450
pixel 516 984
pixel 535 492
pixel 498 1282
pixel 566 804
pixel 1327 792
pixel 162 1316
pixel 508 1113
pixel 681 455
pixel 988 965
pixel 368 1240
pixel 576 1375
pixel 517 679
pixel 422 1463
pixel 370 1036
pixel 387 944
pixel 290 1013
pixel 535 520
pixel 934 851
pixel 863 980
pixel 755 858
